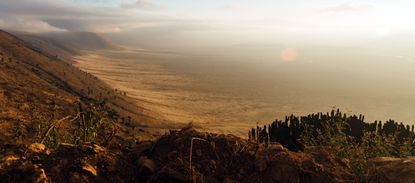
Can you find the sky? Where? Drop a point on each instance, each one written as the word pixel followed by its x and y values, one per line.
pixel 269 17
pixel 227 26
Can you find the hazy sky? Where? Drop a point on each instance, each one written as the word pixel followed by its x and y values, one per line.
pixel 207 24
pixel 322 17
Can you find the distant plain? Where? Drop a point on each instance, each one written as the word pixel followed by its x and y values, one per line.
pixel 215 93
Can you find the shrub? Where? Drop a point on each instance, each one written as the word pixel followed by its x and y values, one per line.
pixel 347 136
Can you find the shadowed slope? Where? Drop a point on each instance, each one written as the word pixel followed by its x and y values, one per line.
pixel 65 44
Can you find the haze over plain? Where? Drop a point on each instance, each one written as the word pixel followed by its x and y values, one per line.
pixel 238 61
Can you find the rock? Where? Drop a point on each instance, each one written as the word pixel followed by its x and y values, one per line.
pixel 251 153
pixel 231 160
pixel 284 173
pixel 68 149
pixel 175 176
pixel 173 155
pixel 261 164
pixel 79 150
pixel 89 169
pixel 10 158
pixel 142 147
pixel 39 176
pixel 20 170
pixel 36 148
pixel 276 147
pixel 75 178
pixel 393 170
pixel 146 164
pixel 212 164
pixel 98 149
pixel 6 161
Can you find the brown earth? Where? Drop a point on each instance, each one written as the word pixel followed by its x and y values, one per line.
pixel 214 158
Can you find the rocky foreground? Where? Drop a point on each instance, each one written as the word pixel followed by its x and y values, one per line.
pixel 184 156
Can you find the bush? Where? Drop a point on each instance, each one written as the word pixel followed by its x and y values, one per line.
pixel 92 124
pixel 348 137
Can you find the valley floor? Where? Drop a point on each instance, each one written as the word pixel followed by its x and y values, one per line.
pixel 174 99
pixel 231 97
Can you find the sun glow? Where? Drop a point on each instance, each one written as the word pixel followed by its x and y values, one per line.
pixel 289 54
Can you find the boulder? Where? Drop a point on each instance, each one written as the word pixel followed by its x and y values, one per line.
pixel 391 170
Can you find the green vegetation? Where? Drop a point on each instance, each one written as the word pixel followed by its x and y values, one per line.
pixel 348 137
pixel 94 123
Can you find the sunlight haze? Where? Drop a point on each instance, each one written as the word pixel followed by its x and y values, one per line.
pixel 266 58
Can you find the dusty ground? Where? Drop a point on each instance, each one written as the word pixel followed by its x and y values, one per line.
pixel 174 97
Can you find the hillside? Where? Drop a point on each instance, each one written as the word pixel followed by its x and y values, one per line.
pixel 65 45
pixel 34 84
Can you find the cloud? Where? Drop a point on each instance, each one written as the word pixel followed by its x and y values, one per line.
pixel 28 25
pixel 347 7
pixel 92 16
pixel 60 15
pixel 37 8
pixel 142 4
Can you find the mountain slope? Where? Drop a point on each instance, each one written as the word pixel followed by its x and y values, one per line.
pixel 32 82
pixel 65 44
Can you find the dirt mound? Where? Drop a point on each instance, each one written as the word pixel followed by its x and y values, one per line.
pixel 220 158
pixel 214 158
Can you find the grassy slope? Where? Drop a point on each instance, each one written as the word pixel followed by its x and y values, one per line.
pixel 30 80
